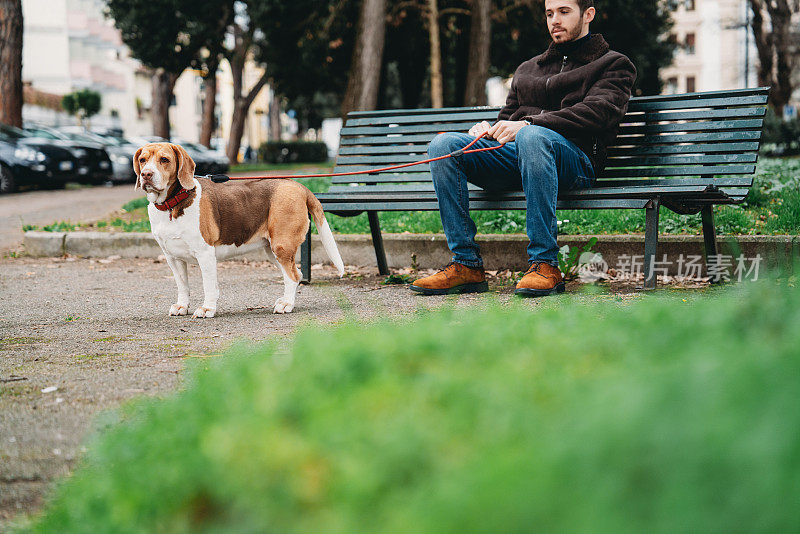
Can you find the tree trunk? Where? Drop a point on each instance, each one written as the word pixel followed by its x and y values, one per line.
pixel 275 118
pixel 781 17
pixel 775 49
pixel 241 102
pixel 208 124
pixel 163 85
pixel 763 41
pixel 11 62
pixel 240 108
pixel 365 69
pixel 480 40
pixel 437 92
pixel 236 133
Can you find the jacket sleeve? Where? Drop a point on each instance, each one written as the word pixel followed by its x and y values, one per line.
pixel 602 108
pixel 512 103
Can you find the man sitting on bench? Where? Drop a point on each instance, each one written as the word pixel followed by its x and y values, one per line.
pixel 563 109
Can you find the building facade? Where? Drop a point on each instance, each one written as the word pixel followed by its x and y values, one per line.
pixel 715 50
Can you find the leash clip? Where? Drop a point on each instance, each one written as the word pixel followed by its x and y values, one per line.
pixel 459 152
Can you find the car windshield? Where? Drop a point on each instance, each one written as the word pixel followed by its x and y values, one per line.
pixel 108 140
pixel 112 139
pixel 85 138
pixel 39 132
pixel 12 133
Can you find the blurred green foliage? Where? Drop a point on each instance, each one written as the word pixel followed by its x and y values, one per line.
pixel 781 137
pixel 676 412
pixel 83 104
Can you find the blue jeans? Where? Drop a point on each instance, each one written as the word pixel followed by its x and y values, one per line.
pixel 539 162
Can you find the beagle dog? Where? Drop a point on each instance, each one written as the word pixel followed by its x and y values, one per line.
pixel 196 220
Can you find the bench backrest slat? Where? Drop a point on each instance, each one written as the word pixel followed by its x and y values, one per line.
pixel 491 113
pixel 625 128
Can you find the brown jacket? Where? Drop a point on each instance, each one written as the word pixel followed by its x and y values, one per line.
pixel 582 96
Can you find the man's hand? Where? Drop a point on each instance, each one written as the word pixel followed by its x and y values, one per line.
pixel 505 131
pixel 479 128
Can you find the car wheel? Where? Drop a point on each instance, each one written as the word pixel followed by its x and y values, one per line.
pixel 6 180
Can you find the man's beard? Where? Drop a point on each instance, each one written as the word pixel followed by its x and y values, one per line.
pixel 569 34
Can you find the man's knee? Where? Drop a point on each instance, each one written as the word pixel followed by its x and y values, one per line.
pixel 444 143
pixel 534 137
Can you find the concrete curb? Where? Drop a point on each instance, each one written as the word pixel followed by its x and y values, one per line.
pixel 430 250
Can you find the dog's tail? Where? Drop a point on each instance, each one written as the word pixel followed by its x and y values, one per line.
pixel 325 234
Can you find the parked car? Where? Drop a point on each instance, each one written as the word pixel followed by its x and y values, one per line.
pixel 207 161
pixel 120 151
pixel 93 163
pixel 27 160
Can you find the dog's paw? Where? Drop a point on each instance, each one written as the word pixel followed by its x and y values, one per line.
pixel 177 309
pixel 203 313
pixel 282 305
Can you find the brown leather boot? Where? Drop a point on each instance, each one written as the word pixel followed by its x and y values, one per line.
pixel 540 279
pixel 454 278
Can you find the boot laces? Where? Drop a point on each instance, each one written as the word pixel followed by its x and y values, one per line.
pixel 443 269
pixel 535 267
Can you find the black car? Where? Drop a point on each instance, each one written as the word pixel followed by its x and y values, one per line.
pixel 207 161
pixel 26 160
pixel 119 149
pixel 93 163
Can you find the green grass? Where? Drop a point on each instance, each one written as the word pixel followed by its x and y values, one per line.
pixel 772 207
pixel 676 412
pixel 135 204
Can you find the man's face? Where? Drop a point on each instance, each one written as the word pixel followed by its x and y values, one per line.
pixel 564 20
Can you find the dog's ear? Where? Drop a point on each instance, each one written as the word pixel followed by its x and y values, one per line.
pixel 185 167
pixel 137 169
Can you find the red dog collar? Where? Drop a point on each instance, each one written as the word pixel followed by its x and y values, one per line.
pixel 170 203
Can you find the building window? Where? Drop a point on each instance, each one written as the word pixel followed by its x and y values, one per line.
pixel 672 86
pixel 690 85
pixel 688 45
pixel 689 5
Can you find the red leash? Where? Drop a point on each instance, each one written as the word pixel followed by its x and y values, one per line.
pixel 218 178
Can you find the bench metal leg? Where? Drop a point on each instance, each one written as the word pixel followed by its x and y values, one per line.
pixel 305 259
pixel 709 236
pixel 650 243
pixel 377 242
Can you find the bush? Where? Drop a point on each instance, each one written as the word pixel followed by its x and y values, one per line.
pixel 293 152
pixel 780 138
pixel 658 416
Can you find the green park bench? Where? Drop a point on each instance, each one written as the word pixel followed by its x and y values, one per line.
pixel 686 152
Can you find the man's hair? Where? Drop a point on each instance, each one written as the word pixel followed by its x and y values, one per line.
pixel 583 5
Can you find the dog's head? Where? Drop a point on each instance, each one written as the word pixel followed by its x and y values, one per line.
pixel 159 165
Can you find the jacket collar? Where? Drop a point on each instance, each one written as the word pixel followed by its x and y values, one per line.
pixel 594 48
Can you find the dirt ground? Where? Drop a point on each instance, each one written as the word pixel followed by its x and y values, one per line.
pixel 79 337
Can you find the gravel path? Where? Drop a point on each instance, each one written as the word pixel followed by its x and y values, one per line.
pixel 98 331
pixel 86 204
